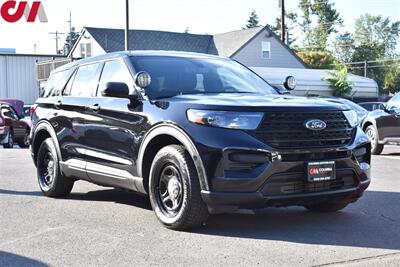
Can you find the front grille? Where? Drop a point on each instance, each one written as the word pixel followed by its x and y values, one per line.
pixel 287 130
pixel 296 183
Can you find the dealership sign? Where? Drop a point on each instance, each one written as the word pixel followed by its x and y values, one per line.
pixel 13 11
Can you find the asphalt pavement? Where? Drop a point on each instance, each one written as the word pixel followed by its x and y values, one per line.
pixel 98 226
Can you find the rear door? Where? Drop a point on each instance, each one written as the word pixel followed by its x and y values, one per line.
pixel 114 131
pixel 71 117
pixel 18 127
pixel 389 123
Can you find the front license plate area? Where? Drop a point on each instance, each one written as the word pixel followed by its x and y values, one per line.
pixel 321 171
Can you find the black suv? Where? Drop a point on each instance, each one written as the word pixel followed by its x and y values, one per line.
pixel 199 134
pixel 382 125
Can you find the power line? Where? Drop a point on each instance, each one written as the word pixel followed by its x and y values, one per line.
pixel 56 33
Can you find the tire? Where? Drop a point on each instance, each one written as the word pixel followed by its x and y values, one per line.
pixel 174 189
pixel 51 182
pixel 10 138
pixel 326 207
pixel 373 136
pixel 25 142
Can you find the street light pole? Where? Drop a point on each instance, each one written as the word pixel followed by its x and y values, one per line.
pixel 127 25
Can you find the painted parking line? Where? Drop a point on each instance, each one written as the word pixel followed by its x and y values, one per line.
pixel 391 157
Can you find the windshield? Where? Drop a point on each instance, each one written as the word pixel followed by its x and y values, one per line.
pixel 172 76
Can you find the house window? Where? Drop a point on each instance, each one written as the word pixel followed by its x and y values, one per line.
pixel 83 50
pixel 86 50
pixel 266 50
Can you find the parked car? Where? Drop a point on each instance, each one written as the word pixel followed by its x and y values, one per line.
pixel 382 126
pixel 27 114
pixel 199 134
pixel 371 106
pixel 12 128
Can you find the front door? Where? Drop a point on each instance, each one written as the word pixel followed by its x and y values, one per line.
pixel 114 132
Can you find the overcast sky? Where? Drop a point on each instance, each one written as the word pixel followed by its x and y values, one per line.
pixel 200 16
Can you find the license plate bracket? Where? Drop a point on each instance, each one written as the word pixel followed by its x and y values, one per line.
pixel 321 171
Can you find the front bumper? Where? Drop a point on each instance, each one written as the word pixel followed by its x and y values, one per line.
pixel 260 176
pixel 3 135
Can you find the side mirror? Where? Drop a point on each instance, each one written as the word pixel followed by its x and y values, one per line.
pixel 290 83
pixel 142 79
pixel 115 89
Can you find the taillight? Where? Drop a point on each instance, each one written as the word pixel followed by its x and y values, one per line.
pixel 32 109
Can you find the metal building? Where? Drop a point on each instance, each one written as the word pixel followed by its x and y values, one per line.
pixel 18 76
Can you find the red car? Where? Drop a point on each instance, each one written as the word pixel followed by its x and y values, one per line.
pixel 12 128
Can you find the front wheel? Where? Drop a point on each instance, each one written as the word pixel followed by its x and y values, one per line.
pixel 51 181
pixel 10 140
pixel 326 207
pixel 174 189
pixel 373 136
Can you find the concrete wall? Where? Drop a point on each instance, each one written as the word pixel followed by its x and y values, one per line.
pixel 251 54
pixel 18 77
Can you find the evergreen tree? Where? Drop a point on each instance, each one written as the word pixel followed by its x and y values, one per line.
pixel 253 20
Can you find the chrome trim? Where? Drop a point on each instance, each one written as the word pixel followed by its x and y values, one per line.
pixel 95 168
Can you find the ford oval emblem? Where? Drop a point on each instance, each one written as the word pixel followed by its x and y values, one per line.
pixel 315 125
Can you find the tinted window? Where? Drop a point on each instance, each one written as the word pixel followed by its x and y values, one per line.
pixel 86 80
pixel 115 71
pixel 180 75
pixel 9 112
pixel 54 83
pixel 395 101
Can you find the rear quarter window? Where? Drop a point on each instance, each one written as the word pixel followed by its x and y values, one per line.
pixel 54 83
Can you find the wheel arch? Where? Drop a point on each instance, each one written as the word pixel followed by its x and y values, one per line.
pixel 160 136
pixel 43 130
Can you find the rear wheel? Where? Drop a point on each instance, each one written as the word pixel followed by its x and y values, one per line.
pixel 10 140
pixel 174 189
pixel 326 207
pixel 373 136
pixel 51 182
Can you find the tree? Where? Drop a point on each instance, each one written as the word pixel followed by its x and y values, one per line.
pixel 343 47
pixel 253 20
pixel 378 33
pixel 339 83
pixel 391 82
pixel 291 21
pixel 73 36
pixel 375 38
pixel 327 18
pixel 317 59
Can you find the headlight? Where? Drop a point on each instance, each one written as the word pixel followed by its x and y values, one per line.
pixel 351 117
pixel 226 119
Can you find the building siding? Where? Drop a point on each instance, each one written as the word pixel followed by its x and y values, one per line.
pixel 250 55
pixel 18 77
pixel 85 39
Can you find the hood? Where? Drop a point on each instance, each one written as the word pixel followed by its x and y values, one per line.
pixel 254 102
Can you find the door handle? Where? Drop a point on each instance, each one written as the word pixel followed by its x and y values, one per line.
pixel 58 104
pixel 95 107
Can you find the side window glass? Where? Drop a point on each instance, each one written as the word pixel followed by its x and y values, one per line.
pixel 67 89
pixel 9 112
pixel 86 80
pixel 115 71
pixel 53 84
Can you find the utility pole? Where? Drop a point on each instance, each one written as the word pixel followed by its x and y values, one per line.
pixel 365 68
pixel 282 5
pixel 70 32
pixel 56 33
pixel 127 25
